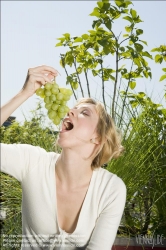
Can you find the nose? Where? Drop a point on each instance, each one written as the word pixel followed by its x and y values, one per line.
pixel 71 112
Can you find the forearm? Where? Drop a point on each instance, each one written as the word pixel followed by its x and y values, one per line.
pixel 12 105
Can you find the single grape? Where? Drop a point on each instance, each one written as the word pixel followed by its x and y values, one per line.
pixel 54 90
pixel 61 109
pixel 48 85
pixel 63 90
pixel 53 98
pixel 55 85
pixel 63 103
pixel 66 109
pixel 59 96
pixel 47 92
pixel 54 106
pixel 69 92
pixel 48 105
pixel 39 91
pixel 66 98
pixel 58 102
pixel 52 114
pixel 56 120
pixel 47 99
pixel 61 114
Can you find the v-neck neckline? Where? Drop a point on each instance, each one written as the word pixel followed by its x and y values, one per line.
pixel 54 197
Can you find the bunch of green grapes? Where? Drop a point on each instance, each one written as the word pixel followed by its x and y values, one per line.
pixel 55 99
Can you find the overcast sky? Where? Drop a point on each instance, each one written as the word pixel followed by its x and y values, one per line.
pixel 29 30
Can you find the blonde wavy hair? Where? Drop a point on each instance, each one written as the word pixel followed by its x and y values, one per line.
pixel 109 136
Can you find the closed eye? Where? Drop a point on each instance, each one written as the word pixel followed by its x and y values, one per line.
pixel 84 113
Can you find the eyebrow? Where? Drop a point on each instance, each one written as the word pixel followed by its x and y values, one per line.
pixel 84 107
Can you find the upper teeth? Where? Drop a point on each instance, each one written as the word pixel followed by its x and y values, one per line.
pixel 66 123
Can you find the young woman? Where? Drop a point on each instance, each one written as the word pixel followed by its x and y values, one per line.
pixel 69 201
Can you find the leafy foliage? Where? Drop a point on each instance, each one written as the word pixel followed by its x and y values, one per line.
pixel 87 52
pixel 143 167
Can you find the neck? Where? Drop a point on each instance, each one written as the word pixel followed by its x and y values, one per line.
pixel 73 170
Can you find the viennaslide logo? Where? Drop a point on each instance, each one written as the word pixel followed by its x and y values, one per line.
pixel 150 239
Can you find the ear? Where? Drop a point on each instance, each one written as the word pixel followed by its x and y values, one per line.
pixel 94 141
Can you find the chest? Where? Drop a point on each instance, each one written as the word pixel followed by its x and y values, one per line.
pixel 69 205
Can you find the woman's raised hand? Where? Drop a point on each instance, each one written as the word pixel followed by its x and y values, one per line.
pixel 38 76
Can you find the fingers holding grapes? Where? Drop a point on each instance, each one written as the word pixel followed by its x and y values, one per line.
pixel 38 76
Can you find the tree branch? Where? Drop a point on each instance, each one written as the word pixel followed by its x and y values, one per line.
pixel 63 64
pixel 102 83
pixel 124 40
pixel 115 86
pixel 78 77
pixel 124 100
pixel 86 76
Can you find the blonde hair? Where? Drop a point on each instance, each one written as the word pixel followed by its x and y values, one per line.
pixel 108 135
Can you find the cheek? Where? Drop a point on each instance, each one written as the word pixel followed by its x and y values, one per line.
pixel 86 129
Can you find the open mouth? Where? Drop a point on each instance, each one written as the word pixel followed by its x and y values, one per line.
pixel 67 125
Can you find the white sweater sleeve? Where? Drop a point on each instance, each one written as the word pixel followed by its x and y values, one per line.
pixel 104 233
pixel 17 159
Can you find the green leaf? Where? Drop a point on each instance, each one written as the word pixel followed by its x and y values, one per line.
pixel 69 78
pixel 96 23
pixel 92 32
pixel 127 3
pixel 117 15
pixel 137 20
pixel 132 85
pixel 130 42
pixel 106 50
pixel 162 77
pixel 94 72
pixel 61 63
pixel 128 28
pixel 62 39
pixel 102 42
pixel 134 103
pixel 143 42
pixel 125 35
pixel 164 69
pixel 74 85
pixel 147 54
pixel 119 3
pixel 112 77
pixel 155 50
pixel 138 47
pixel 128 18
pixel 58 44
pixel 158 59
pixel 133 13
pixel 78 39
pixel 137 62
pixel 95 12
pixel 100 4
pixel 108 24
pixel 85 36
pixel 66 35
pixel 150 74
pixel 146 73
pixel 141 94
pixel 106 6
pixel 139 32
pixel 122 49
pixel 69 59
